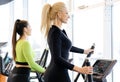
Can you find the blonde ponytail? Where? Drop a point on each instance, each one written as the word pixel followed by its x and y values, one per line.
pixel 49 14
pixel 45 19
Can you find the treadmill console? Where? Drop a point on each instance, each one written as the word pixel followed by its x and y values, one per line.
pixel 102 68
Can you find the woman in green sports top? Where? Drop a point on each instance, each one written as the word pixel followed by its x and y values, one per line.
pixel 23 54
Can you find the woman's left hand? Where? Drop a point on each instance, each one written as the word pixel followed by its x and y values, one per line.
pixel 87 51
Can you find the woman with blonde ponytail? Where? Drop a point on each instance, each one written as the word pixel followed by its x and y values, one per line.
pixel 53 16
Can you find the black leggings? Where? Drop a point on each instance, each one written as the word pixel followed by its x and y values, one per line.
pixel 19 74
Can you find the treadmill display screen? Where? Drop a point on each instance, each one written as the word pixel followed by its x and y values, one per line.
pixel 101 66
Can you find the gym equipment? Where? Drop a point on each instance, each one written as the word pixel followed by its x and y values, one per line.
pixel 87 78
pixel 6 64
pixel 101 68
pixel 3 44
pixel 41 62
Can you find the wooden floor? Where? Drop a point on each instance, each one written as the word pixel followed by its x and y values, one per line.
pixel 3 78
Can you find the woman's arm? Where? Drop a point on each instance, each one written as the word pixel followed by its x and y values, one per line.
pixel 82 51
pixel 76 50
pixel 28 54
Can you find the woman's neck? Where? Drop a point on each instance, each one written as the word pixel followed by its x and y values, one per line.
pixel 57 23
pixel 23 37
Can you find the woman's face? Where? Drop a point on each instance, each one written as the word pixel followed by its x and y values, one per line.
pixel 63 16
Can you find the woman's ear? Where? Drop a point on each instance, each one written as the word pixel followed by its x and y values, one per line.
pixel 59 14
pixel 25 29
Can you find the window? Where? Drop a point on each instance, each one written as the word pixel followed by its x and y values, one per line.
pixel 116 39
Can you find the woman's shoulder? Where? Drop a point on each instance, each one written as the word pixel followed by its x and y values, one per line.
pixel 24 42
pixel 55 29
